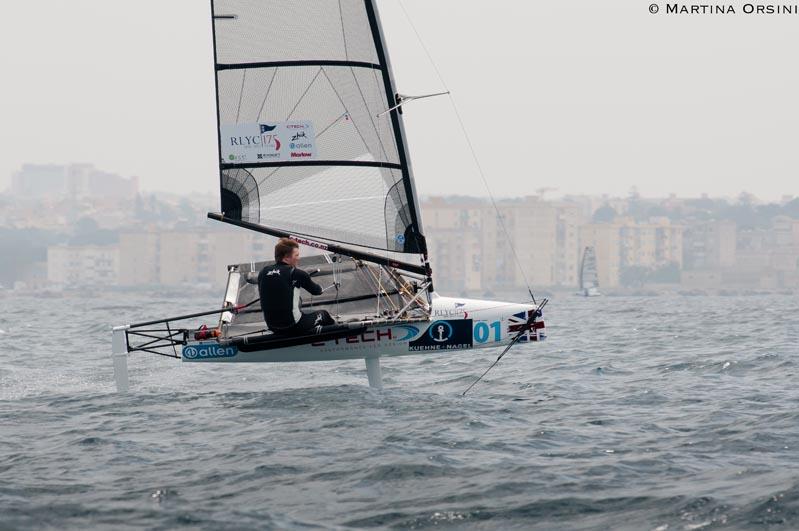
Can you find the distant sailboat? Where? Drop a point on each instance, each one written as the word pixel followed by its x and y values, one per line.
pixel 589 280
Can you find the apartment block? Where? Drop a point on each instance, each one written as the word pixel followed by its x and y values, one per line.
pixel 532 225
pixel 569 218
pixel 140 258
pixel 709 245
pixel 87 265
pixel 454 239
pixel 77 181
pixel 193 257
pixel 651 244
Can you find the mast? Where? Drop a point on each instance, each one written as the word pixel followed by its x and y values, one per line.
pixel 399 132
pixel 396 118
pixel 582 269
pixel 216 89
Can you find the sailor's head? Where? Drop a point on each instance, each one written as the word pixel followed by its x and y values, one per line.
pixel 288 252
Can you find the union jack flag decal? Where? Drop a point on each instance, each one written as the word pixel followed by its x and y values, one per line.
pixel 518 320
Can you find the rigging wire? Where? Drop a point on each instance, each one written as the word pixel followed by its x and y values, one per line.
pixel 470 145
pixel 337 281
pixel 527 327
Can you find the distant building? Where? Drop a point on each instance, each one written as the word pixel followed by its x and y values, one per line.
pixel 532 226
pixel 470 250
pixel 470 243
pixel 140 258
pixel 569 218
pixel 188 258
pixel 33 278
pixel 200 258
pixel 709 245
pixel 454 238
pixel 74 181
pixel 786 232
pixel 651 245
pixel 669 244
pixel 38 181
pixel 637 245
pixel 768 258
pixel 79 266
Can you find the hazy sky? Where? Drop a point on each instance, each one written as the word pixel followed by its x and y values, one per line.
pixel 582 96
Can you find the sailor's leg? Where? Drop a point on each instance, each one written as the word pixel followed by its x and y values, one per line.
pixel 313 322
pixel 373 371
pixel 119 352
pixel 325 319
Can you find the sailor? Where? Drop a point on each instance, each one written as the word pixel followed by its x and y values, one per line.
pixel 279 287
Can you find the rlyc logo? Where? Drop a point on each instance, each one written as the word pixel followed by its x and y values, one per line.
pixel 268 137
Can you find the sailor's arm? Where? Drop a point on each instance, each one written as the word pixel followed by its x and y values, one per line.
pixel 305 282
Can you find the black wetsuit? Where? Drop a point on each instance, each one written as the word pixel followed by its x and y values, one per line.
pixel 279 287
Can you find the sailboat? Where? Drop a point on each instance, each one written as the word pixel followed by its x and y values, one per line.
pixel 589 279
pixel 312 147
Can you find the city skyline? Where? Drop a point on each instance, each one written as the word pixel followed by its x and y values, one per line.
pixel 60 234
pixel 547 192
pixel 551 95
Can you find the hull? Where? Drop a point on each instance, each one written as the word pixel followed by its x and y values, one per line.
pixel 456 325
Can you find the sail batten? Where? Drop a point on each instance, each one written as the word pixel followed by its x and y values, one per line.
pixel 279 64
pixel 302 91
pixel 354 163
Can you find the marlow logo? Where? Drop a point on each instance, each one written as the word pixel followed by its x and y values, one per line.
pixel 208 351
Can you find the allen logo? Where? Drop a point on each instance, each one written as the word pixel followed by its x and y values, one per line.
pixel 208 350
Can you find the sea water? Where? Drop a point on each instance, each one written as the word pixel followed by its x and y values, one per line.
pixel 651 413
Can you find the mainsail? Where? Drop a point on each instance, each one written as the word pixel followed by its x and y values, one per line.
pixel 589 279
pixel 306 147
